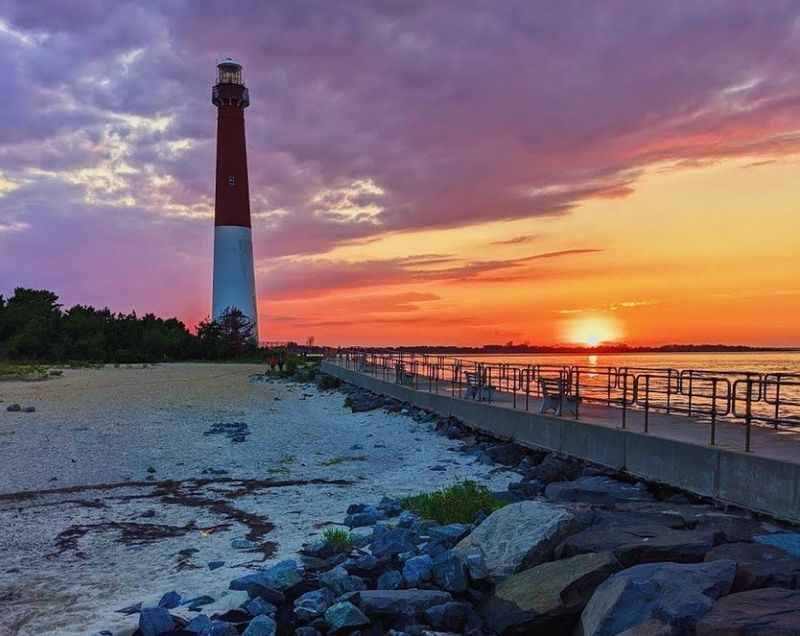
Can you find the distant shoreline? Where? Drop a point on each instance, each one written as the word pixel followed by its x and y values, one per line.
pixel 570 350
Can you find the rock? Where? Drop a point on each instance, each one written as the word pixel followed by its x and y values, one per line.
pixel 640 544
pixel 678 595
pixel 554 468
pixel 215 565
pixel 449 571
pixel 600 491
pixel 417 570
pixel 221 628
pixel 241 543
pixel 362 563
pixel 154 621
pixel 131 609
pixel 258 606
pixel 542 597
pixel 519 535
pixel 476 564
pixel 653 627
pixel 732 529
pixel 170 600
pixel 313 604
pixel 340 582
pixel 765 612
pixel 390 507
pixel 398 602
pixel 448 616
pixel 407 519
pixel 13 408
pixel 759 565
pixel 786 541
pixel 306 631
pixel 279 577
pixel 369 516
pixel 527 489
pixel 389 542
pixel 507 454
pixel 29 409
pixel 344 616
pixel 450 534
pixel 198 601
pixel 390 580
pixel 198 625
pixel 261 626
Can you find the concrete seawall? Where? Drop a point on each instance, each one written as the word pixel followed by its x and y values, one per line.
pixel 758 483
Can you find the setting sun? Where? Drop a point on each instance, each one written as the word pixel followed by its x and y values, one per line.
pixel 592 331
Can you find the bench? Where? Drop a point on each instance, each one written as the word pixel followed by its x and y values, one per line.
pixel 555 396
pixel 402 376
pixel 477 390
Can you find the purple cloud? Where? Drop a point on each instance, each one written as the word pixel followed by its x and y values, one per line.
pixel 366 118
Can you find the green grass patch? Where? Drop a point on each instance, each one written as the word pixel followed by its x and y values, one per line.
pixel 338 539
pixel 454 504
pixel 341 459
pixel 18 371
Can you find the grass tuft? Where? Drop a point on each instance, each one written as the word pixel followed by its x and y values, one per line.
pixel 338 539
pixel 341 459
pixel 454 504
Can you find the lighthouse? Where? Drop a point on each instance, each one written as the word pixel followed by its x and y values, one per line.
pixel 234 276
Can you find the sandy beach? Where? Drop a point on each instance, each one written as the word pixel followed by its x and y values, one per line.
pixel 111 493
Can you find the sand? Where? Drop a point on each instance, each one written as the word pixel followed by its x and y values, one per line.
pixel 104 501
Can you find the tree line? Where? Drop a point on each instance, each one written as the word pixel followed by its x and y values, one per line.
pixel 35 327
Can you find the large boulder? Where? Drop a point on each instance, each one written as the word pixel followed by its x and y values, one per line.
pixel 786 541
pixel 633 545
pixel 546 595
pixel 312 605
pixel 759 565
pixel 340 582
pixel 765 612
pixel 519 535
pixel 597 490
pixel 397 602
pixel 674 594
pixel 450 571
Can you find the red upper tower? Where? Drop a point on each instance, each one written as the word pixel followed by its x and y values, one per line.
pixel 230 96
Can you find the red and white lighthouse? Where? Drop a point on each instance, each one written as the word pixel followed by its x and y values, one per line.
pixel 234 277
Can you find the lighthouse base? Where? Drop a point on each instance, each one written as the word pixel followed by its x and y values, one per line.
pixel 234 279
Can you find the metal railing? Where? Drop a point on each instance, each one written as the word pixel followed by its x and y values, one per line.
pixel 744 397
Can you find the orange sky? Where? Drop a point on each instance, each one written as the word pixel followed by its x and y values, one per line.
pixel 702 254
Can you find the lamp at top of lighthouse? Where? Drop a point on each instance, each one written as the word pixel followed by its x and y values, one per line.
pixel 230 89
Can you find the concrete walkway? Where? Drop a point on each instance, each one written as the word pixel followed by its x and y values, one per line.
pixel 675 449
pixel 766 441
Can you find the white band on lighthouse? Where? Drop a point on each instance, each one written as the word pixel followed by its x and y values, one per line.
pixel 234 279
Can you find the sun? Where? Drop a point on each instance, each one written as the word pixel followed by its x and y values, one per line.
pixel 592 331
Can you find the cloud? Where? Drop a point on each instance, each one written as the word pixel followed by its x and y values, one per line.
pixel 366 119
pixel 516 240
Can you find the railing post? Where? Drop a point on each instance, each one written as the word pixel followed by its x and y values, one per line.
pixel 577 390
pixel 777 397
pixel 527 387
pixel 748 414
pixel 647 403
pixel 669 388
pixel 691 375
pixel 624 397
pixel 714 412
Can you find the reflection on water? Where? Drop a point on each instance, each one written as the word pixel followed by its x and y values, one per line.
pixel 768 362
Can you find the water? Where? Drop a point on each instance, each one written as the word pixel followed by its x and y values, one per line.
pixel 766 362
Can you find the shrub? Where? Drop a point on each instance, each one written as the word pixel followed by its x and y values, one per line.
pixel 338 539
pixel 454 504
pixel 329 383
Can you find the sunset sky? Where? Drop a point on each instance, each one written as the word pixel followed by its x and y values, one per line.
pixel 420 172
